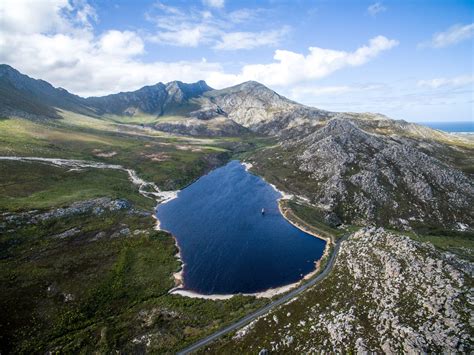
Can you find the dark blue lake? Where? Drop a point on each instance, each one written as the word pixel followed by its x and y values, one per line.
pixel 226 244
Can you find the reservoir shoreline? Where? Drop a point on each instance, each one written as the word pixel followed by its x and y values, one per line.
pixel 269 293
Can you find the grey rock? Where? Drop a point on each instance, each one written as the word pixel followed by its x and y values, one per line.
pixel 372 178
pixel 69 233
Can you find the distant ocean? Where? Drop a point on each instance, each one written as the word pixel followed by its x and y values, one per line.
pixel 464 126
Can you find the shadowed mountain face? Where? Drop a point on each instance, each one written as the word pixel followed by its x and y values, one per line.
pixel 160 99
pixel 356 167
pixel 29 98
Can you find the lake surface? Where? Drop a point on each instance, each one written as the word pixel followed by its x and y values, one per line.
pixel 226 244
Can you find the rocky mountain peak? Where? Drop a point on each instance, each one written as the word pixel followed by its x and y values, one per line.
pixel 179 91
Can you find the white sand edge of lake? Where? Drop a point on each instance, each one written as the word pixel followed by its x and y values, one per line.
pixel 178 276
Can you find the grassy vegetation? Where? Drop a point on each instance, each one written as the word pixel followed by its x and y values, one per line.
pixel 97 289
pixel 37 185
pixel 107 284
pixel 171 162
pixel 135 119
pixel 456 242
pixel 311 218
pixel 277 166
pixel 461 244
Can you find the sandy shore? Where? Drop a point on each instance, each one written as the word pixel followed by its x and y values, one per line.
pixel 178 275
pixel 178 290
pixel 247 166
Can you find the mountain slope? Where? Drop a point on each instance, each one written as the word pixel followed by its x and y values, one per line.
pixel 387 294
pixel 159 99
pixel 364 177
pixel 260 109
pixel 26 97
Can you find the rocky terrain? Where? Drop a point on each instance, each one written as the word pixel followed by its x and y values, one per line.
pixel 386 294
pixel 95 207
pixel 367 177
pixel 217 127
pixel 260 109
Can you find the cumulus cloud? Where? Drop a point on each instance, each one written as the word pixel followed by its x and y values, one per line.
pixel 31 16
pixel 119 43
pixel 451 36
pixel 66 52
pixel 458 81
pixel 376 8
pixel 290 67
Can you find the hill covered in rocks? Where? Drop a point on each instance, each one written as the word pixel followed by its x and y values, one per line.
pixel 386 294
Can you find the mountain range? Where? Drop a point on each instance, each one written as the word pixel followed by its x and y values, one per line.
pixel 356 168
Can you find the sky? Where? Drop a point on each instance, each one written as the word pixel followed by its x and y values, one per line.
pixel 410 60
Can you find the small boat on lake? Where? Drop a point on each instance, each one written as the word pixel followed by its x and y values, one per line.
pixel 263 210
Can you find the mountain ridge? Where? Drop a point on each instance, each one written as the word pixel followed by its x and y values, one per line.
pixel 249 104
pixel 355 167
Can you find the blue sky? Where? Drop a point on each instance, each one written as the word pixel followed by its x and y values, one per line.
pixel 410 60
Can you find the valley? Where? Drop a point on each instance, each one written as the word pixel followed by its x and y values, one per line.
pixel 83 267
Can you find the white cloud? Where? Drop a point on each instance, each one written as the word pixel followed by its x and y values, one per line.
pixel 291 67
pixel 250 40
pixel 183 37
pixel 67 53
pixel 125 43
pixel 28 16
pixel 455 82
pixel 214 3
pixel 191 27
pixel 181 28
pixel 242 15
pixel 451 36
pixel 400 99
pixel 376 8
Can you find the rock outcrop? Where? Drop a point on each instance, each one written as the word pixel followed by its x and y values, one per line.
pixel 96 206
pixel 214 127
pixel 262 110
pixel 367 177
pixel 386 294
